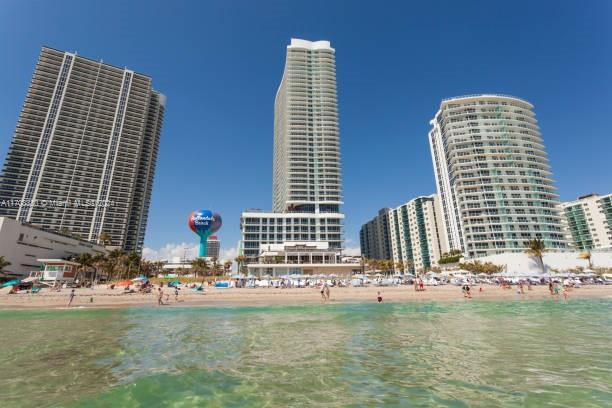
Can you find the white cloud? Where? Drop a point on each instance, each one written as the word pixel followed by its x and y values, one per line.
pixel 171 250
pixel 228 254
pixel 354 251
pixel 184 250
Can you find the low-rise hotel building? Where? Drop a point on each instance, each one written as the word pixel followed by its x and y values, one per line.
pixel 260 229
pixel 24 245
pixel 301 258
pixel 588 222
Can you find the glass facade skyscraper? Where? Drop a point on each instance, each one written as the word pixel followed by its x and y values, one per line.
pixel 307 181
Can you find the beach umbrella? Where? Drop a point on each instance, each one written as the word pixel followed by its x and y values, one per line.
pixel 12 282
pixel 140 279
pixel 378 275
pixel 125 283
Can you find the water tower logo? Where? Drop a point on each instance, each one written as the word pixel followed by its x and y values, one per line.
pixel 204 223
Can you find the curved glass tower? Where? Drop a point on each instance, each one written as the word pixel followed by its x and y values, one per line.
pixel 493 175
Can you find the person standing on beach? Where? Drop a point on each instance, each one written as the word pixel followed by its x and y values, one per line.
pixel 379 298
pixel 71 297
pixel 176 293
pixel 323 298
pixel 160 297
pixel 550 286
pixel 327 292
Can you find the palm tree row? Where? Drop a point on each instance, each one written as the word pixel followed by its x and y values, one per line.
pixel 116 265
pixel 385 265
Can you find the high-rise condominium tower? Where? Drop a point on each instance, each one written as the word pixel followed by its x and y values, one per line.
pixel 411 234
pixel 83 155
pixel 375 237
pixel 307 183
pixel 306 136
pixel 493 176
pixel 588 221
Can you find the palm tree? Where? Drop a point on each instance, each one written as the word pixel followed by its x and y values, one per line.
pixel 536 249
pixel 97 261
pixel 132 260
pixel 586 255
pixel 3 263
pixel 84 260
pixel 104 238
pixel 240 260
pixel 387 265
pixel 227 267
pixel 373 264
pixel 114 260
pixel 200 265
pixel 147 267
pixel 215 266
pixel 400 266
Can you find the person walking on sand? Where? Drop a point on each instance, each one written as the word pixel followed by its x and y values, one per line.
pixel 71 297
pixel 550 286
pixel 327 292
pixel 379 298
pixel 467 293
pixel 176 293
pixel 323 298
pixel 160 297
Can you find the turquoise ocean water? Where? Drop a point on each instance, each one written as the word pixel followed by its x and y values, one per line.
pixel 453 354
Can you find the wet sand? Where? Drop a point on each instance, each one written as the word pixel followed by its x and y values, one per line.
pixel 106 298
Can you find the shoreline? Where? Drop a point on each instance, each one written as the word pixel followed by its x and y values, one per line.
pixel 108 299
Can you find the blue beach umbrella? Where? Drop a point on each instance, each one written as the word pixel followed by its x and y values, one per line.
pixel 12 282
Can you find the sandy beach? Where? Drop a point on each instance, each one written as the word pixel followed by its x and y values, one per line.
pixel 105 298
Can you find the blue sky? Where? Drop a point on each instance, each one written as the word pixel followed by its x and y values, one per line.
pixel 220 63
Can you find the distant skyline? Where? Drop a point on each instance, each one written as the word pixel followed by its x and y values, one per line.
pixel 220 64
